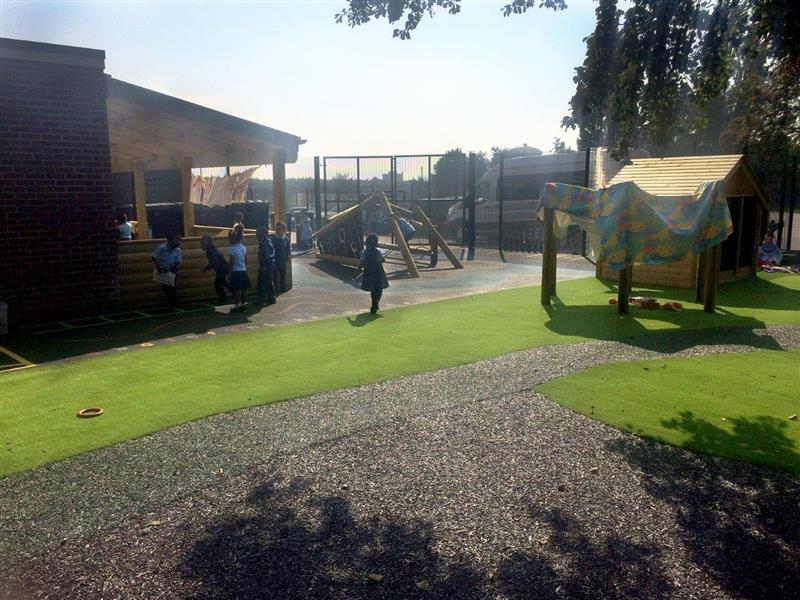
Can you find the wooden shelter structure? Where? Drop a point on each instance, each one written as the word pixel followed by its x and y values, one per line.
pixel 148 130
pixel 346 225
pixel 733 259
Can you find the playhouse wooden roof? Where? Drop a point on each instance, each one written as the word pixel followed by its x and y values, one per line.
pixel 681 175
pixel 162 131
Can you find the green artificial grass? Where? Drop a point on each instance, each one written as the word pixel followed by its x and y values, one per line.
pixel 154 388
pixel 736 405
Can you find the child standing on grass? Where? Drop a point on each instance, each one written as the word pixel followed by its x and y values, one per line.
pixel 266 267
pixel 238 266
pixel 216 261
pixel 374 280
pixel 282 251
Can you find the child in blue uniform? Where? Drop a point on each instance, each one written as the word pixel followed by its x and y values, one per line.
pixel 282 251
pixel 266 268
pixel 374 280
pixel 238 265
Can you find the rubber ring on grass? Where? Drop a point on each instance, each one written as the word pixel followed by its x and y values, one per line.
pixel 88 413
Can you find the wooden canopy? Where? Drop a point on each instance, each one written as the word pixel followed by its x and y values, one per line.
pixel 162 131
pixel 148 130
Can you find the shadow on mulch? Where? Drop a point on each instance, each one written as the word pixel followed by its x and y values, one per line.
pixel 739 523
pixel 318 548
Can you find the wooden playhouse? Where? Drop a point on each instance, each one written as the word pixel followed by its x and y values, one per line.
pixel 681 175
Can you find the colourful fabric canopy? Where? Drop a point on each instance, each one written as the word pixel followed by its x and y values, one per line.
pixel 631 226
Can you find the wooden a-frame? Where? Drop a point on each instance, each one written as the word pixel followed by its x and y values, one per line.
pixel 421 222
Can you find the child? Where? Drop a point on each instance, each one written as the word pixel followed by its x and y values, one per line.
pixel 166 259
pixel 238 266
pixel 374 279
pixel 282 251
pixel 217 262
pixel 306 234
pixel 238 221
pixel 768 252
pixel 125 229
pixel 266 268
pixel 406 228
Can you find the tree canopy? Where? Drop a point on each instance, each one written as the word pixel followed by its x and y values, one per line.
pixel 672 76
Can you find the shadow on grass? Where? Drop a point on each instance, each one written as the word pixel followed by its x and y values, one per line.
pixel 292 543
pixel 84 341
pixel 362 319
pixel 685 329
pixel 737 522
pixel 760 440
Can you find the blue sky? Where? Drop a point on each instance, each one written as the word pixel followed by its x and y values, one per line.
pixel 472 80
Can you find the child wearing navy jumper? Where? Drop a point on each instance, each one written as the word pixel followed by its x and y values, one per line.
pixel 266 268
pixel 374 280
pixel 282 252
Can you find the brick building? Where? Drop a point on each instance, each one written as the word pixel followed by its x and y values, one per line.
pixel 57 248
pixel 65 126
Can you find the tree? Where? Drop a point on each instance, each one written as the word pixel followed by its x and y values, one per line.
pixel 560 146
pixel 411 12
pixel 686 75
pixel 589 105
pixel 448 173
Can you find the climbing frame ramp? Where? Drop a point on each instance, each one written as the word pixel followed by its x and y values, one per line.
pixel 342 239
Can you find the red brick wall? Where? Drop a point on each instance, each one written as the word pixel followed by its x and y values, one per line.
pixel 57 241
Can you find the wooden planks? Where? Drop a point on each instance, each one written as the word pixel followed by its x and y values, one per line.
pixel 279 186
pixel 548 258
pixel 624 289
pixel 135 271
pixel 140 195
pixel 437 239
pixel 680 175
pixel 398 234
pixel 186 196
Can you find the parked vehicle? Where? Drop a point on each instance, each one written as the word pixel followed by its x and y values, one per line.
pixel 523 179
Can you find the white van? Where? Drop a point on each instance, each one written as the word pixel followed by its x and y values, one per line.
pixel 523 179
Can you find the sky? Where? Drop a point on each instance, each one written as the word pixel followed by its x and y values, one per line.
pixel 473 80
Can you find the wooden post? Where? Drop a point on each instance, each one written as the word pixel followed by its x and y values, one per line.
pixel 436 238
pixel 756 238
pixel 713 256
pixel 186 196
pixel 553 261
pixel 738 231
pixel 140 193
pixel 401 241
pixel 624 289
pixel 548 256
pixel 317 196
pixel 279 185
pixel 700 286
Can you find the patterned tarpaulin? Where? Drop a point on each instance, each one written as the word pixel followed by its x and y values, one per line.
pixel 629 226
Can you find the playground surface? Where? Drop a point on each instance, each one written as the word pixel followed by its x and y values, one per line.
pixel 462 482
pixel 321 290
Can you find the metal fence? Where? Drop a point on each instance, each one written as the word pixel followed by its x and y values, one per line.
pixel 434 182
pixel 471 206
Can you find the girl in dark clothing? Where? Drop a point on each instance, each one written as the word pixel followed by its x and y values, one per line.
pixel 217 262
pixel 374 280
